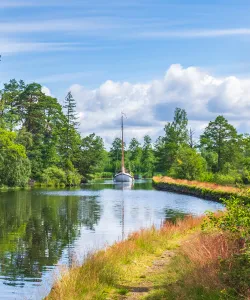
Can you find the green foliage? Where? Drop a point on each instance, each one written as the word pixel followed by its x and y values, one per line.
pixel 226 179
pixel 54 176
pixel 147 157
pixel 14 165
pixel 188 164
pixel 115 154
pixel 91 157
pixel 221 138
pixel 176 135
pixel 234 271
pixel 236 218
pixel 135 156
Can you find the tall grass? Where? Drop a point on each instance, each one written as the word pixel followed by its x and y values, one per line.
pixel 103 272
pixel 195 272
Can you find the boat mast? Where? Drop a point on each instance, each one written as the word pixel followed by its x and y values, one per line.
pixel 123 167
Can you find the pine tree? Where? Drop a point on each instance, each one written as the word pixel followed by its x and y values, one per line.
pixel 71 124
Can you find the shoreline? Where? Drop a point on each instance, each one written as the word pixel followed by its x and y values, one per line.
pixel 177 261
pixel 204 190
pixel 113 273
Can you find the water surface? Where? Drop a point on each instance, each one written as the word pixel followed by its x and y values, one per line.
pixel 41 230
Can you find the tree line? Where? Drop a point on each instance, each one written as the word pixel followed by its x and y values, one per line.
pixel 219 155
pixel 40 141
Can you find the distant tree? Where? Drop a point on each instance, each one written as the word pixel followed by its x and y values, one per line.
pixel 148 159
pixel 176 135
pixel 221 138
pixel 70 138
pixel 115 154
pixel 92 156
pixel 9 104
pixel 134 154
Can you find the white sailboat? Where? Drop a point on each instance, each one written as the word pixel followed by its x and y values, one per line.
pixel 123 176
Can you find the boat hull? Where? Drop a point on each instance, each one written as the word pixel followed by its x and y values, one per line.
pixel 123 177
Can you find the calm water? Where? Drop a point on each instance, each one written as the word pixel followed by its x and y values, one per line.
pixel 41 230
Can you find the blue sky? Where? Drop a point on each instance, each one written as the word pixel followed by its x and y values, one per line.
pixel 88 46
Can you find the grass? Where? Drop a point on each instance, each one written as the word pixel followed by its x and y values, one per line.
pixel 206 185
pixel 206 190
pixel 196 270
pixel 113 271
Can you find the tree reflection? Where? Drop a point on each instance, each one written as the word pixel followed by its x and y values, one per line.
pixel 36 228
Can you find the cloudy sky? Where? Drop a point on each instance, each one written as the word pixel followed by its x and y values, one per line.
pixel 143 57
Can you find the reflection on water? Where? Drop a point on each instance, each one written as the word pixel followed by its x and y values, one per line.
pixel 42 229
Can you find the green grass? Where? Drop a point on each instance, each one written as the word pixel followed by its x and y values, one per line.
pixel 118 268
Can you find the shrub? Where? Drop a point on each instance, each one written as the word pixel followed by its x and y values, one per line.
pixel 206 177
pixel 54 176
pixel 188 164
pixel 73 178
pixel 234 270
pixel 227 178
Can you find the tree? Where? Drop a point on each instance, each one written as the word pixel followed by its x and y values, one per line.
pixel 148 158
pixel 14 165
pixel 176 135
pixel 221 138
pixel 188 164
pixel 91 157
pixel 9 103
pixel 134 155
pixel 115 154
pixel 70 126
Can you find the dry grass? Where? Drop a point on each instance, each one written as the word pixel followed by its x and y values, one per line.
pixel 204 252
pixel 206 185
pixel 195 272
pixel 105 270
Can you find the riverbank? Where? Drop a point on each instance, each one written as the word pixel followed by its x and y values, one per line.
pixel 205 190
pixel 178 261
pixel 16 188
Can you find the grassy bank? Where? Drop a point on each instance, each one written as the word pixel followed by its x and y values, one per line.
pixel 205 190
pixel 179 261
pixel 113 271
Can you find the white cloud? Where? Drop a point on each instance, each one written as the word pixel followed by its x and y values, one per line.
pixel 13 47
pixel 149 106
pixel 46 91
pixel 195 33
pixel 59 25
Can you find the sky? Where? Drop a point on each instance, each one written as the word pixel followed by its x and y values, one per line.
pixel 142 57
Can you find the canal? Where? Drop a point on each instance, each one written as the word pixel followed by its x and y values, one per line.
pixel 45 229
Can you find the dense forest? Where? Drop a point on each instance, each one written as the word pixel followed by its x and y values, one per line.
pixel 40 141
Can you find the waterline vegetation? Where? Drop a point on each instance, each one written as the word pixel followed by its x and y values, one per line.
pixel 205 190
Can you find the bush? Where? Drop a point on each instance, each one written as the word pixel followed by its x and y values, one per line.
pixel 14 164
pixel 224 179
pixel 188 164
pixel 73 178
pixel 54 176
pixel 235 270
pixel 206 177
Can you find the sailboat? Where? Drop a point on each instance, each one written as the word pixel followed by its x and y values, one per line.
pixel 123 176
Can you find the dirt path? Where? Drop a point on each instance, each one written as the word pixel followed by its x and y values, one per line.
pixel 145 285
